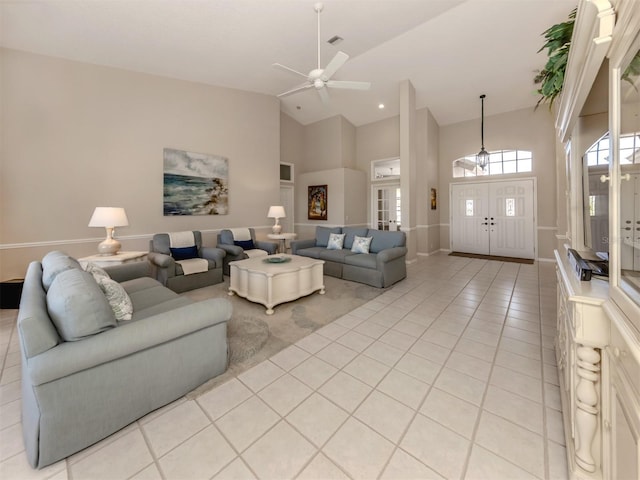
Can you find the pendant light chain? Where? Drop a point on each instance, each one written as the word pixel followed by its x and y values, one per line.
pixel 482 158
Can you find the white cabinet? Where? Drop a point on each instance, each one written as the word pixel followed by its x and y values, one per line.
pixel 583 333
pixel 621 399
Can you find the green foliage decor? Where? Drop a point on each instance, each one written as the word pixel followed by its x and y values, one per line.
pixel 558 42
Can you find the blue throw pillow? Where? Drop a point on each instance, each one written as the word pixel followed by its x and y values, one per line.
pixel 245 244
pixel 184 253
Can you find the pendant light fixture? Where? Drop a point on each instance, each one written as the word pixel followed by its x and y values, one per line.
pixel 482 158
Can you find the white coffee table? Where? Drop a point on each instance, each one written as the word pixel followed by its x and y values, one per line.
pixel 271 284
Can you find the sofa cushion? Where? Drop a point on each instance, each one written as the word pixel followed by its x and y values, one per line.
pixel 184 253
pixel 322 235
pixel 55 263
pixel 350 233
pixel 77 306
pixel 148 297
pixel 384 239
pixel 361 244
pixel 139 284
pixel 313 252
pixel 335 255
pixel 117 297
pixel 336 240
pixel 366 260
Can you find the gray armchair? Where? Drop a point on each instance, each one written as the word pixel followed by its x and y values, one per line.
pixel 244 248
pixel 170 273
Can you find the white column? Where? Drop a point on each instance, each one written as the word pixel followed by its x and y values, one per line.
pixel 587 406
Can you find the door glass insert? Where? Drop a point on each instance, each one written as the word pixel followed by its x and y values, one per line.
pixel 469 208
pixel 510 207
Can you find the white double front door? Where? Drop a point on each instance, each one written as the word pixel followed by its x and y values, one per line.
pixel 493 218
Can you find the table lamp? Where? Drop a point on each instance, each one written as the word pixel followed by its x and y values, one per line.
pixel 109 218
pixel 276 212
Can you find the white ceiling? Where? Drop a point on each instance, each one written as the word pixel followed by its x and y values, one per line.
pixel 451 50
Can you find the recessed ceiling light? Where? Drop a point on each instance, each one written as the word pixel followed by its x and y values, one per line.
pixel 381 106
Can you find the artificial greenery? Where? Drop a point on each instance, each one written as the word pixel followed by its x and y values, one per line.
pixel 558 42
pixel 632 72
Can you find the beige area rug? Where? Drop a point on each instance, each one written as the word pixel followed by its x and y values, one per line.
pixel 255 336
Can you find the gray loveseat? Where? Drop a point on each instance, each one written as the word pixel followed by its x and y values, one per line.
pixel 384 265
pixel 86 375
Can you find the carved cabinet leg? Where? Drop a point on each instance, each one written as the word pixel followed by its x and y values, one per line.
pixel 587 406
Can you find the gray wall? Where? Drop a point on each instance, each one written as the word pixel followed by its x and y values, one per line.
pixel 77 136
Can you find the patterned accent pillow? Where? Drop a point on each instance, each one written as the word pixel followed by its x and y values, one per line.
pixel 96 271
pixel 118 299
pixel 336 240
pixel 361 244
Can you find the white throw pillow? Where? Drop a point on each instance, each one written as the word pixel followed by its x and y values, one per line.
pixel 336 240
pixel 361 244
pixel 118 299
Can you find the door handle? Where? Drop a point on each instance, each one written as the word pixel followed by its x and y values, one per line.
pixel 627 228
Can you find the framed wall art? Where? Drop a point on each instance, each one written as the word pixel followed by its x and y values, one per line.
pixel 317 209
pixel 195 183
pixel 434 199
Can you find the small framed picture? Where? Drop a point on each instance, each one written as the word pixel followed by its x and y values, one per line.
pixel 434 199
pixel 317 202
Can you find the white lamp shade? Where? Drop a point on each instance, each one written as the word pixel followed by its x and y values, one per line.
pixel 109 217
pixel 276 212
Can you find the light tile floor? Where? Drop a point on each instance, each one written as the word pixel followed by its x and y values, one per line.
pixel 449 374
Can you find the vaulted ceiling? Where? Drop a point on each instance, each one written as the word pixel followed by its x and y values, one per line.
pixel 451 50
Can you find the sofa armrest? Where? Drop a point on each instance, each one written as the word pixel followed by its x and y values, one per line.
pixel 270 247
pixel 389 254
pixel 234 250
pixel 128 271
pixel 126 339
pixel 299 244
pixel 213 253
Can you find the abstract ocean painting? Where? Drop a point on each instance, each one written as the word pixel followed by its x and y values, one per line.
pixel 195 183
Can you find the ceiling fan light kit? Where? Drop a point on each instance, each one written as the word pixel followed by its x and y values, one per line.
pixel 320 78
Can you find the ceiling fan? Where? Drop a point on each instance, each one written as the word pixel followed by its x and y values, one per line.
pixel 320 78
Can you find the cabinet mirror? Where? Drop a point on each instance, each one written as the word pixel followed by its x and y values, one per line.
pixel 629 158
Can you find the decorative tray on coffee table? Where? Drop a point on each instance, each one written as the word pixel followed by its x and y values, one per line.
pixel 276 259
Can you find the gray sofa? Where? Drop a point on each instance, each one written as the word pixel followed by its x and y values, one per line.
pixel 384 265
pixel 86 375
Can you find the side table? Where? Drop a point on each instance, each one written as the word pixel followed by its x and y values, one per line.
pixel 117 259
pixel 283 237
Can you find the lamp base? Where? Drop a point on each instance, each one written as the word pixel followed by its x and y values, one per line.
pixel 109 246
pixel 276 229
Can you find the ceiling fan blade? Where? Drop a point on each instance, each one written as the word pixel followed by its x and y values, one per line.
pixel 333 66
pixel 324 95
pixel 297 89
pixel 349 84
pixel 287 69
